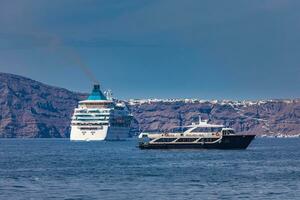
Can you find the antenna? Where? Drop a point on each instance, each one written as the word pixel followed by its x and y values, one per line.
pixel 108 94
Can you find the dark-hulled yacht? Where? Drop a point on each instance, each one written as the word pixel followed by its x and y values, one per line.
pixel 197 136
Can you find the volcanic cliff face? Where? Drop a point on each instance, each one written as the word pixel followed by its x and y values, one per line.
pixel 32 109
pixel 35 110
pixel 272 117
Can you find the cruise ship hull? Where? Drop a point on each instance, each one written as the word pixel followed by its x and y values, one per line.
pixel 106 133
pixel 227 142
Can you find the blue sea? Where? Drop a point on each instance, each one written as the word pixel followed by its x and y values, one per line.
pixel 60 169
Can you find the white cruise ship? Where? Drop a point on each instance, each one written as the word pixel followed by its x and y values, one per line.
pixel 99 118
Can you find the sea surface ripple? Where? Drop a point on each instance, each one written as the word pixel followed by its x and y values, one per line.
pixel 60 169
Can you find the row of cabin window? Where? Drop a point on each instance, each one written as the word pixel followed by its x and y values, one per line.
pixel 179 140
pixel 89 124
pixel 93 111
pixel 208 139
pixel 186 140
pixel 91 128
pixel 92 119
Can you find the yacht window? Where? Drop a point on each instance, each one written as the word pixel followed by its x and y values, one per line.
pixel 228 132
pixel 206 130
pixel 186 139
pixel 165 140
pixel 179 129
pixel 208 139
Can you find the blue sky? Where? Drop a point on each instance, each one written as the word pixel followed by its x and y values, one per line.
pixel 156 48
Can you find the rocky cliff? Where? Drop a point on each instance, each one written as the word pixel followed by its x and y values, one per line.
pixel 32 109
pixel 273 117
pixel 35 110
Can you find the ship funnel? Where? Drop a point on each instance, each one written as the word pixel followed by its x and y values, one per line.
pixel 97 93
pixel 96 87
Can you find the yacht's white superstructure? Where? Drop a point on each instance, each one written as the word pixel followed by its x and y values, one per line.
pixel 99 118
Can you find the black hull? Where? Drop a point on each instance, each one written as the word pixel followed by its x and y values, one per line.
pixel 227 142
